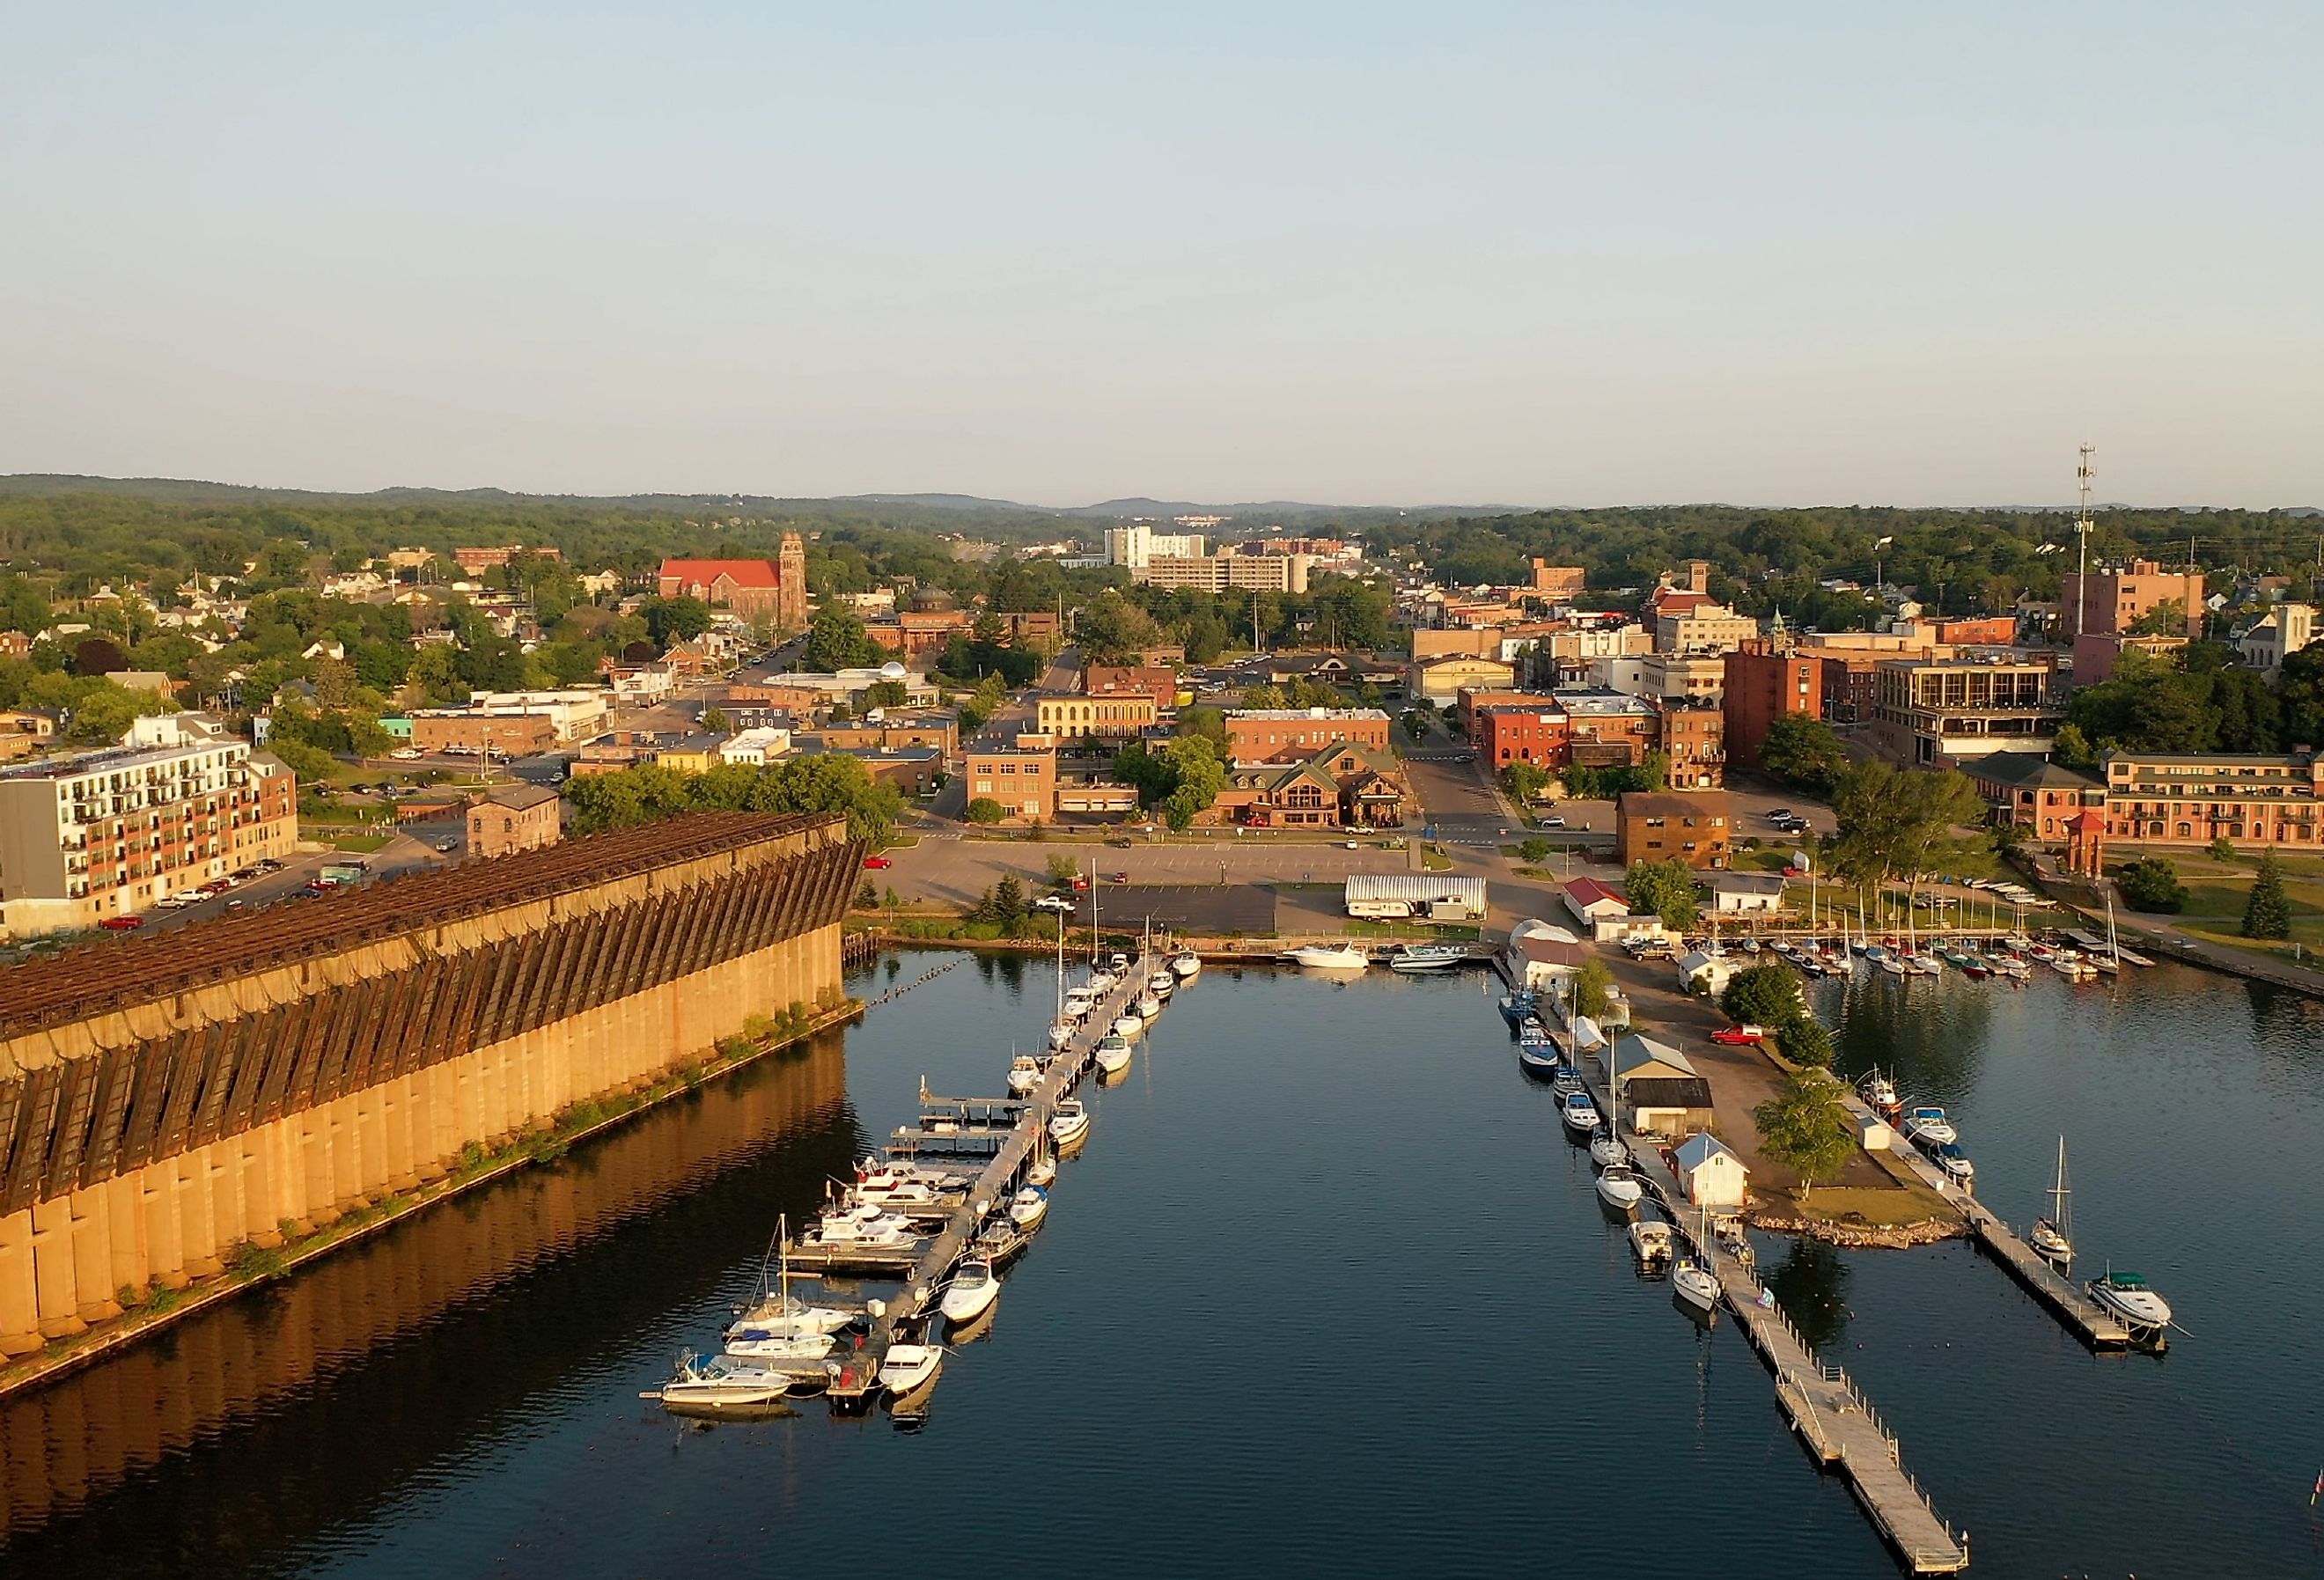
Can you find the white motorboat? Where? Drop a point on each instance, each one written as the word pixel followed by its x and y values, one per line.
pixel 1042 1171
pixel 1028 1205
pixel 1187 967
pixel 1070 1123
pixel 1128 1026
pixel 1112 1055
pixel 910 1367
pixel 1650 1242
pixel 1148 1006
pixel 973 1289
pixel 805 1346
pixel 1060 1033
pixel 1340 956
pixel 1928 1126
pixel 1024 1074
pixel 1579 1114
pixel 1927 964
pixel 780 1314
pixel 1878 1090
pixel 1608 1150
pixel 1620 1188
pixel 1696 1285
pixel 1102 983
pixel 1427 958
pixel 846 1232
pixel 1079 1002
pixel 1162 984
pixel 2142 1310
pixel 1117 963
pixel 722 1386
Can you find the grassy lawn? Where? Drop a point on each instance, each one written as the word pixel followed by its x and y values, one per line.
pixel 361 843
pixel 1883 1208
pixel 1434 860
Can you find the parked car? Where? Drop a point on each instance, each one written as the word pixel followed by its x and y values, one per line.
pixel 1778 814
pixel 447 846
pixel 122 924
pixel 1553 822
pixel 875 861
pixel 1117 877
pixel 1057 902
pixel 1739 1036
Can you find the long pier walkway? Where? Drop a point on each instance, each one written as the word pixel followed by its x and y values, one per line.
pixel 994 1183
pixel 1831 1416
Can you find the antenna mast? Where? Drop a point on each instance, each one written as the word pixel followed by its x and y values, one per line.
pixel 2082 523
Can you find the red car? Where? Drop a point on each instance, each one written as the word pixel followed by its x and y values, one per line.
pixel 1739 1035
pixel 122 924
pixel 1118 878
pixel 877 861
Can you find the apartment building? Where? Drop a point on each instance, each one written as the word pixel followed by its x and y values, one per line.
pixel 1221 573
pixel 1694 741
pixel 1763 683
pixel 1159 682
pixel 95 834
pixel 1701 628
pixel 2193 798
pixel 1938 714
pixel 1693 677
pixel 1071 715
pixel 1610 730
pixel 2113 598
pixel 1538 732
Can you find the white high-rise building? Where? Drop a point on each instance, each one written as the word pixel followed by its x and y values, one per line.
pixel 1137 545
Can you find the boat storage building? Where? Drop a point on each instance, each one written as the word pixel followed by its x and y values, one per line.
pixel 1435 896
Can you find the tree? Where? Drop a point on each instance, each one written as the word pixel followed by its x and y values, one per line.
pixel 1111 629
pixel 886 694
pixel 1663 889
pixel 1416 725
pixel 1061 872
pixel 2167 618
pixel 1534 851
pixel 986 809
pixel 1593 985
pixel 836 641
pixel 2072 748
pixel 1805 1041
pixel 96 656
pixel 715 722
pixel 1803 751
pixel 1262 696
pixel 2151 883
pixel 1198 777
pixel 309 763
pixel 2268 914
pixel 670 620
pixel 867 898
pixel 2221 849
pixel 1901 824
pixel 1524 781
pixel 1762 995
pixel 1808 1127
pixel 1009 902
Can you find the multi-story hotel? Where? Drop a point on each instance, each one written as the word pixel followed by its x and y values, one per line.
pixel 111 833
pixel 1944 713
pixel 2161 798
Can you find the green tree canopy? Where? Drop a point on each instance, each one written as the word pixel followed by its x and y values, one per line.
pixel 2268 914
pixel 2151 883
pixel 1804 752
pixel 837 641
pixel 1807 1127
pixel 1663 889
pixel 1767 995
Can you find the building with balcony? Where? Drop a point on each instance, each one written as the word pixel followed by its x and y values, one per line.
pixel 95 834
pixel 1942 713
pixel 2154 797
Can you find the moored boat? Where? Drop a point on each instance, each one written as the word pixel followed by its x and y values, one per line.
pixel 1028 1206
pixel 1696 1285
pixel 1621 1188
pixel 1930 1126
pixel 1112 1054
pixel 1070 1123
pixel 1650 1243
pixel 1340 956
pixel 722 1386
pixel 2126 1294
pixel 1024 1074
pixel 975 1287
pixel 1427 958
pixel 909 1368
pixel 1579 1113
pixel 1187 967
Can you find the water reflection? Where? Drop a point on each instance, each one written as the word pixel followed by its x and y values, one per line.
pixel 1811 1284
pixel 253 1425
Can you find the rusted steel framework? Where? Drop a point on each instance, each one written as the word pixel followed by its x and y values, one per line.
pixel 73 1122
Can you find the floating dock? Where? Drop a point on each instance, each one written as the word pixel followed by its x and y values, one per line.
pixel 1835 1422
pixel 924 1268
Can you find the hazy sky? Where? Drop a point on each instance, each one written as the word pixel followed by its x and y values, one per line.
pixel 1539 253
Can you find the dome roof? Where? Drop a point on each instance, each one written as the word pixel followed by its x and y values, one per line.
pixel 930 601
pixel 892 670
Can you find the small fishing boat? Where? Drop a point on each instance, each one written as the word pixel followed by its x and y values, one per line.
pixel 1024 1074
pixel 1538 1054
pixel 1929 1125
pixel 975 1287
pixel 1427 957
pixel 1650 1243
pixel 1878 1090
pixel 910 1367
pixel 1952 1163
pixel 1517 1008
pixel 1070 1123
pixel 1112 1054
pixel 1579 1114
pixel 2142 1310
pixel 1028 1206
pixel 1621 1188
pixel 1340 956
pixel 722 1387
pixel 1187 967
pixel 1564 1079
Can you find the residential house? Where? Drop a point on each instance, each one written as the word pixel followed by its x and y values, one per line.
pixel 1736 893
pixel 1540 954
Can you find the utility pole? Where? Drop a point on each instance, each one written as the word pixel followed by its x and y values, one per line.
pixel 2083 474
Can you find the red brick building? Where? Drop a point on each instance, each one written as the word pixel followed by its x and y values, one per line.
pixel 749 588
pixel 1159 682
pixel 1539 733
pixel 1764 683
pixel 1274 734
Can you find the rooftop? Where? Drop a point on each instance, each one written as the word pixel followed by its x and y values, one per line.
pixel 113 760
pixel 1290 715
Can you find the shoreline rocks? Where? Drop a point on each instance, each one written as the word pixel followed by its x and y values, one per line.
pixel 1860 1236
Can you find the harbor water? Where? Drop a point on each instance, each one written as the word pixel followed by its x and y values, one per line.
pixel 1328 1291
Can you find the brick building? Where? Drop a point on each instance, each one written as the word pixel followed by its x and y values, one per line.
pixel 1659 825
pixel 514 734
pixel 1694 739
pixel 1022 778
pixel 1764 683
pixel 1071 715
pixel 750 587
pixel 2115 597
pixel 1270 735
pixel 1538 732
pixel 1159 682
pixel 514 818
pixel 1940 714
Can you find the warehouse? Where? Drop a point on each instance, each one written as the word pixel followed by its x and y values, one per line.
pixel 1437 896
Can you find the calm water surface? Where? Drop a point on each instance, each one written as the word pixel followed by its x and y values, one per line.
pixel 1327 1292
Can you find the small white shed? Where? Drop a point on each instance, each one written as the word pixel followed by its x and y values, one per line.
pixel 1710 1175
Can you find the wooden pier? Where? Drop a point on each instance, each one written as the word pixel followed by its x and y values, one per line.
pixel 1835 1422
pixel 1012 1150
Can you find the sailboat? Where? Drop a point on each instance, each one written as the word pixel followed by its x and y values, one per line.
pixel 1061 1027
pixel 780 1314
pixel 1693 1281
pixel 1607 1147
pixel 2054 1236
